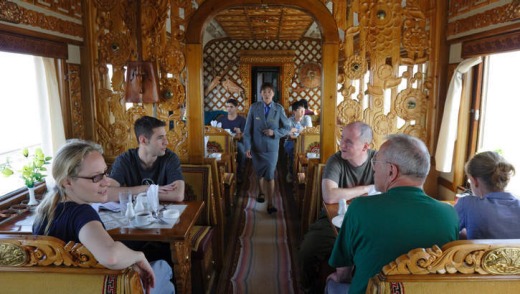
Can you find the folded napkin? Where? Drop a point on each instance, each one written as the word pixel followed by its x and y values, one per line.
pixel 214 123
pixel 153 197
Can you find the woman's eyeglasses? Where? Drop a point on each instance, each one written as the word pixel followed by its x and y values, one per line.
pixel 96 178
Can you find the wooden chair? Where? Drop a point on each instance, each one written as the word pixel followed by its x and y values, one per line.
pixel 309 200
pixel 44 264
pixel 307 142
pixel 205 260
pixel 218 200
pixel 222 142
pixel 464 266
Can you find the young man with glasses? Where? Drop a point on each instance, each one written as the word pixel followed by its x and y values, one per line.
pixel 378 229
pixel 151 163
pixel 347 175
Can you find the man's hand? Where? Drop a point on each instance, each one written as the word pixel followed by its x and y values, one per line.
pixel 248 154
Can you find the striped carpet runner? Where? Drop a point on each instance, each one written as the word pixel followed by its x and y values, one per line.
pixel 264 264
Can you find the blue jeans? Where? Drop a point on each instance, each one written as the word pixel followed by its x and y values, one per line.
pixel 336 288
pixel 163 275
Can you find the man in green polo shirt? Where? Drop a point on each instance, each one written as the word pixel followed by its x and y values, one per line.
pixel 378 229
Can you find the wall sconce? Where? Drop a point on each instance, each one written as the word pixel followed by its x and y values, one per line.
pixel 142 85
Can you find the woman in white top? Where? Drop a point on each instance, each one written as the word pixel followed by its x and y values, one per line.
pixel 299 121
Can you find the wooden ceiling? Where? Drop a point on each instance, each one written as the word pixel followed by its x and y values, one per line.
pixel 264 23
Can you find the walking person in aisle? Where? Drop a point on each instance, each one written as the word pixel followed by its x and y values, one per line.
pixel 266 123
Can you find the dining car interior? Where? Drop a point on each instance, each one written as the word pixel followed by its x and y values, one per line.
pixel 439 71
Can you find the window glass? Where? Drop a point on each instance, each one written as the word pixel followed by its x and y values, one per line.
pixel 19 127
pixel 500 111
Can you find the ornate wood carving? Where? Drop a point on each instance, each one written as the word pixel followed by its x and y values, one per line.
pixel 498 15
pixel 396 41
pixel 257 57
pixel 114 44
pixel 76 109
pixel 10 12
pixel 182 260
pixel 71 8
pixel 21 15
pixel 44 251
pixel 461 257
pixel 491 44
pixel 28 45
pixel 458 7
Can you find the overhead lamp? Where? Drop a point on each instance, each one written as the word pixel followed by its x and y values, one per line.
pixel 142 84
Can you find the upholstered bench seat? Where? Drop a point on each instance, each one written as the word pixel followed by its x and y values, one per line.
pixel 44 264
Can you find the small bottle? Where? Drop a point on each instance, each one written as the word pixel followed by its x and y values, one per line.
pixel 139 205
pixel 129 211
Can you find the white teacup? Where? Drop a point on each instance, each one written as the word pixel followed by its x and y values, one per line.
pixel 142 218
pixel 171 215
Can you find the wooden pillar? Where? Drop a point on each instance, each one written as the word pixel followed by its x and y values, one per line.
pixel 328 101
pixel 195 103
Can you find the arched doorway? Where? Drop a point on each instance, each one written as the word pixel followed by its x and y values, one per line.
pixel 194 55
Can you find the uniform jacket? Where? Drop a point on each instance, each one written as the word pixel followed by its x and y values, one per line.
pixel 254 139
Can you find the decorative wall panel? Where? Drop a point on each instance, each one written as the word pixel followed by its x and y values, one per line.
pixel 76 109
pixel 11 12
pixel 385 78
pixel 222 57
pixel 498 15
pixel 115 44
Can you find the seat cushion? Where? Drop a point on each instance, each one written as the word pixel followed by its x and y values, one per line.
pixel 201 241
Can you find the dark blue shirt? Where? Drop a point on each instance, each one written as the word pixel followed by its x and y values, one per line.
pixel 128 171
pixel 238 122
pixel 69 218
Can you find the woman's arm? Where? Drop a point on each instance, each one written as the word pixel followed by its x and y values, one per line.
pixel 113 254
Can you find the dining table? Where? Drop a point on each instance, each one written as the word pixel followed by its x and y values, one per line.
pixel 179 237
pixel 332 211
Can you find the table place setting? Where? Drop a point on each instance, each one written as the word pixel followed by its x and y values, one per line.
pixel 338 219
pixel 145 213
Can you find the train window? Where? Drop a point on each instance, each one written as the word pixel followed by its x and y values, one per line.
pixel 496 114
pixel 21 124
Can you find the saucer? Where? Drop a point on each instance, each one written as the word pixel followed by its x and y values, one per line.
pixel 141 226
pixel 338 220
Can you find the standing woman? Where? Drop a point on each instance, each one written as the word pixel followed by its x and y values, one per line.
pixel 266 123
pixel 80 172
pixel 492 213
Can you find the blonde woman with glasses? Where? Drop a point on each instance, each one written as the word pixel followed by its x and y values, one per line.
pixel 79 170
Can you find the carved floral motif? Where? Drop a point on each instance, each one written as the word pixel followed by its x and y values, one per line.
pixel 10 12
pixel 466 258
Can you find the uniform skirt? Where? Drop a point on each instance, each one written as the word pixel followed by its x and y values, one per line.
pixel 264 164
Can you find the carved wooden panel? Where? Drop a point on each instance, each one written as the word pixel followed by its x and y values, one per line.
pixel 264 23
pixel 385 78
pixel 458 7
pixel 462 258
pixel 44 251
pixel 71 8
pixel 76 109
pixel 35 46
pixel 11 12
pixel 114 43
pixel 491 44
pixel 498 15
pixel 221 57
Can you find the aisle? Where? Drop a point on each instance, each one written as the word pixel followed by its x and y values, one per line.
pixel 264 262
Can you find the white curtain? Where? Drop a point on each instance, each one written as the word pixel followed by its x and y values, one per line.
pixel 450 118
pixel 51 119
